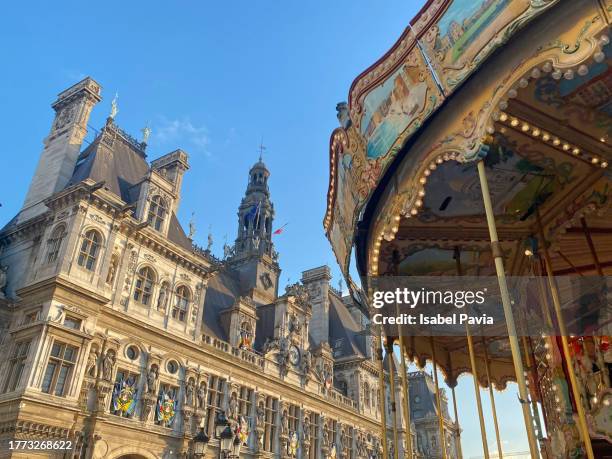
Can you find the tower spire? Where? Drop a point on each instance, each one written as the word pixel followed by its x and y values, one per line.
pixel 262 148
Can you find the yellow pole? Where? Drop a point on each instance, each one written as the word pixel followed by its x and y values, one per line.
pixel 393 398
pixel 405 389
pixel 488 371
pixel 582 424
pixel 438 401
pixel 505 296
pixel 483 430
pixel 381 392
pixel 459 452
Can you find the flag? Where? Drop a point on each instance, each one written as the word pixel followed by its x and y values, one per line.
pixel 281 229
pixel 253 211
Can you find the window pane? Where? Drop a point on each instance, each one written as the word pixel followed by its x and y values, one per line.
pixel 48 378
pixel 56 349
pixel 69 353
pixel 61 380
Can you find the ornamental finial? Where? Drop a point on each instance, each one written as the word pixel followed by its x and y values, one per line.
pixel 146 132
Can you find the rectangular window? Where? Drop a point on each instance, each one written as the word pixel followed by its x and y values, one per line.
pixel 293 416
pixel 125 394
pixel 30 317
pixel 16 365
pixel 72 322
pixel 270 423
pixel 59 369
pixel 314 436
pixel 214 402
pixel 245 397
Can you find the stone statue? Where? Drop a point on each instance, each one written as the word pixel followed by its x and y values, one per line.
pixel 228 251
pixel 108 364
pixel 325 439
pixel 343 114
pixel 92 363
pixel 306 363
pixel 232 407
pixel 114 108
pixel 270 345
pixel 294 325
pixel 202 395
pixel 146 132
pixel 3 278
pixel 189 393
pixel 306 428
pixel 284 423
pixel 210 242
pixel 110 277
pixel 192 228
pixel 152 379
pixel 260 414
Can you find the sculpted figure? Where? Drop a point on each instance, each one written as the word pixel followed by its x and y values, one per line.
pixel 284 423
pixel 189 393
pixel 92 363
pixel 202 396
pixel 261 414
pixel 152 379
pixel 107 365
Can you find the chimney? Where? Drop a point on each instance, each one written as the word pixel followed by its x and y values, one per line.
pixel 317 282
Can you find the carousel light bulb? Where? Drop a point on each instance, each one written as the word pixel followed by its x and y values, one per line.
pixel 523 83
pixel 583 70
pixel 374 259
pixel 535 73
pixel 503 104
pixel 490 129
pixel 558 409
pixel 594 400
pixel 604 40
pixel 394 229
pixel 549 357
pixel 376 251
pixel 556 74
pixel 439 160
pixel 422 180
pixel 536 132
pixel 528 253
pixel 432 166
pixel 495 116
pixel 546 137
pixel 421 193
pixel 569 74
pixel 514 122
pixel 547 67
pixel 604 164
pixel 599 56
pixel 512 93
pixel 556 141
pixel 446 157
pixel 566 147
pixel 525 127
pixel 594 159
pixel 397 218
pixel 418 203
pixel 427 173
pixel 414 211
pixel 576 151
pixel 557 399
pixel 503 117
pixel 606 402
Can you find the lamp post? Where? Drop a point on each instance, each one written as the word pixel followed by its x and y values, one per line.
pixel 223 431
pixel 200 444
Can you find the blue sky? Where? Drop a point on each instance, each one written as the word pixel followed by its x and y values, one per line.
pixel 212 78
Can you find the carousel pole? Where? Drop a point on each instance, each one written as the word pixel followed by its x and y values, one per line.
pixel 381 392
pixel 505 296
pixel 587 234
pixel 582 424
pixel 405 389
pixel 438 400
pixel 531 368
pixel 459 452
pixel 488 372
pixel 483 430
pixel 393 398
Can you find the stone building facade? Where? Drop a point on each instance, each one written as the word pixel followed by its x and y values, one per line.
pixel 123 337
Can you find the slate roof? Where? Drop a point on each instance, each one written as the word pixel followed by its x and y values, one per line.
pixel 343 329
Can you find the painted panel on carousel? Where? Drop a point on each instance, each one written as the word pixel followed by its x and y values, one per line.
pixel 469 30
pixel 397 107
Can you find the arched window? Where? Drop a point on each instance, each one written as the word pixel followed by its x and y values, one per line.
pixel 246 336
pixel 158 210
pixel 162 299
pixel 183 296
pixel 143 288
pixel 90 248
pixel 55 242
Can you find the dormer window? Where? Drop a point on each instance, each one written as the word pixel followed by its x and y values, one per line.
pixel 158 210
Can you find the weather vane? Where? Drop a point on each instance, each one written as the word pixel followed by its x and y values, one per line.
pixel 262 148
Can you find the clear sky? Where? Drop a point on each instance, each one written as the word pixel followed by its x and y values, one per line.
pixel 212 78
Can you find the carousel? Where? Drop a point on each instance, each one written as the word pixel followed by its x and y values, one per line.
pixel 479 146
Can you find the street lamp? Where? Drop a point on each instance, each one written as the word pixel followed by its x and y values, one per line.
pixel 200 444
pixel 223 432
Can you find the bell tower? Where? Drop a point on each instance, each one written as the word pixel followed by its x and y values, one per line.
pixel 254 255
pixel 62 145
